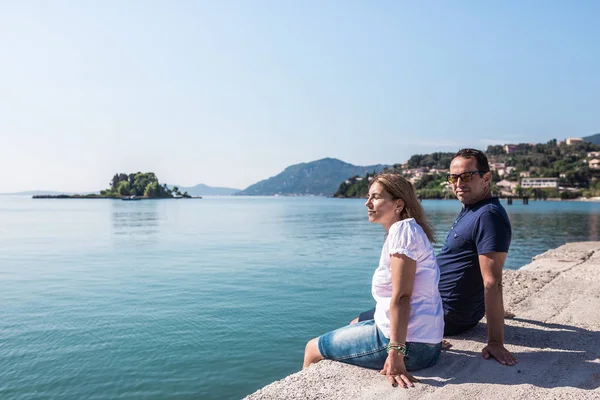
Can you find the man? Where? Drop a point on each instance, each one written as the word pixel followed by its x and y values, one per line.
pixel 472 258
pixel 471 261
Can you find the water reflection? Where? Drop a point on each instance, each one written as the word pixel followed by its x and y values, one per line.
pixel 536 228
pixel 139 218
pixel 340 228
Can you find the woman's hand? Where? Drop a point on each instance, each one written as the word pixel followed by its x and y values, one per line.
pixel 395 370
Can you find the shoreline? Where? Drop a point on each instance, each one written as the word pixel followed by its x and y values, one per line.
pixel 555 336
pixel 61 196
pixel 94 197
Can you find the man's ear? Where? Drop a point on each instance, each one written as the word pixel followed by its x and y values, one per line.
pixel 487 177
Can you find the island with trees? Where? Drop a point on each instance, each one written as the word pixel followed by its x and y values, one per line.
pixel 140 185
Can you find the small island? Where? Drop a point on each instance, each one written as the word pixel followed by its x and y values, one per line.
pixel 137 186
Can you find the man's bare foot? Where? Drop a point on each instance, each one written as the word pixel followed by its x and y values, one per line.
pixel 508 315
pixel 446 344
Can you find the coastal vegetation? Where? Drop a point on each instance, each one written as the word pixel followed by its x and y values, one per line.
pixel 574 166
pixel 570 169
pixel 139 185
pixel 143 184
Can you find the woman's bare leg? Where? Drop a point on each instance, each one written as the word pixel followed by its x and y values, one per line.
pixel 355 320
pixel 312 353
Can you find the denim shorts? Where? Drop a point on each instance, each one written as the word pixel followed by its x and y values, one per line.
pixel 450 328
pixel 363 344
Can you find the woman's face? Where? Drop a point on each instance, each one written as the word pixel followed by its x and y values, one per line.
pixel 381 207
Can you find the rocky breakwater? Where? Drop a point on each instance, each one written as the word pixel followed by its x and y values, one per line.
pixel 555 335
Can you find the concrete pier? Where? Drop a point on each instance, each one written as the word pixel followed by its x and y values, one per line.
pixel 555 335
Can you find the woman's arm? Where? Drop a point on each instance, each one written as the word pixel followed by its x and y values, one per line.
pixel 403 277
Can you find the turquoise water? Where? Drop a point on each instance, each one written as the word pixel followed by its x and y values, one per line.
pixel 202 299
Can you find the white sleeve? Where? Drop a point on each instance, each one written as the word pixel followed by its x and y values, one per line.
pixel 404 239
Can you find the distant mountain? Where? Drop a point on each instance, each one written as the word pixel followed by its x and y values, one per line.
pixel 198 190
pixel 321 178
pixel 204 190
pixel 42 193
pixel 595 139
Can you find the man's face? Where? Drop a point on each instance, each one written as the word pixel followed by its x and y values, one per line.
pixel 477 188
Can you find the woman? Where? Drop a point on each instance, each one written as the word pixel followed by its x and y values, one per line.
pixel 406 331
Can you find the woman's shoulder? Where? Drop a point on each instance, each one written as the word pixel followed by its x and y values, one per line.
pixel 405 225
pixel 409 236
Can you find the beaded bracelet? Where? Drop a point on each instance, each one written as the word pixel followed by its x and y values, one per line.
pixel 399 347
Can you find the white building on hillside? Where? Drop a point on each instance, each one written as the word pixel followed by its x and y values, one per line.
pixel 570 141
pixel 550 183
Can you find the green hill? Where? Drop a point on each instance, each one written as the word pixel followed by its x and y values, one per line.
pixel 595 139
pixel 570 164
pixel 320 178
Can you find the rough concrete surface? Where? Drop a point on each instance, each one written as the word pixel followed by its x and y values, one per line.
pixel 555 335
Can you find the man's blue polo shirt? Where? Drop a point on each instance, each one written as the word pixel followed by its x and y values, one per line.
pixel 480 228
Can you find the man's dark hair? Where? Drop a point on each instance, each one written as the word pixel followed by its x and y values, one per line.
pixel 482 162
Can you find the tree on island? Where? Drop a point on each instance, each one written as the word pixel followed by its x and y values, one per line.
pixel 141 183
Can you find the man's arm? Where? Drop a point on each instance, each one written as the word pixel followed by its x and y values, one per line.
pixel 491 271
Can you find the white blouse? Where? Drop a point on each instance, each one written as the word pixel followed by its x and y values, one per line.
pixel 426 320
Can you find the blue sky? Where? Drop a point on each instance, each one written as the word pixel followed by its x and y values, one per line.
pixel 227 93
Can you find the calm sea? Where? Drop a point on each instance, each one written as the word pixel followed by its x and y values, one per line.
pixel 198 299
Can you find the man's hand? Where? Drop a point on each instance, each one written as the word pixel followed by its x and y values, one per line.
pixel 499 352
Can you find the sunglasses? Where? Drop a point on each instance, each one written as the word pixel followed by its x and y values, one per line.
pixel 465 176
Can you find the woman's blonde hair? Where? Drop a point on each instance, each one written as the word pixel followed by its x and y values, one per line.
pixel 399 188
